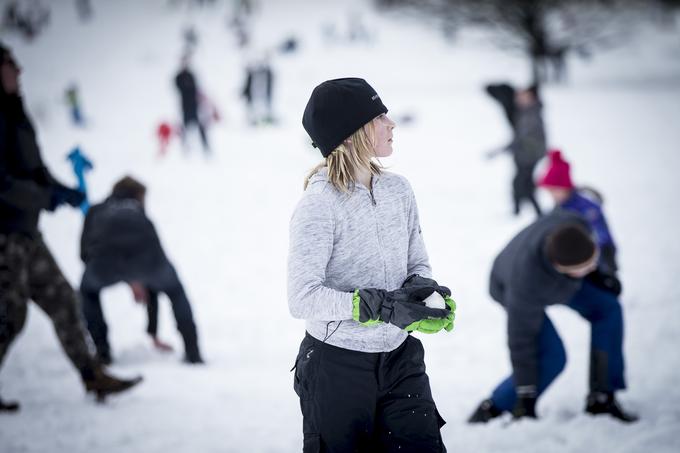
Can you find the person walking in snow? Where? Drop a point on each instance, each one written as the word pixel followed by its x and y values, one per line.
pixel 545 264
pixel 358 273
pixel 257 92
pixel 523 111
pixel 190 96
pixel 119 244
pixel 588 203
pixel 73 100
pixel 27 268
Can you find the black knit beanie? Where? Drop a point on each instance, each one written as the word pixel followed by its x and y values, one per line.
pixel 569 245
pixel 337 109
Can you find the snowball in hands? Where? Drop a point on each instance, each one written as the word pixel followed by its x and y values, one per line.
pixel 435 300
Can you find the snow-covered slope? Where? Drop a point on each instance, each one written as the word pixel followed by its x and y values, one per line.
pixel 224 223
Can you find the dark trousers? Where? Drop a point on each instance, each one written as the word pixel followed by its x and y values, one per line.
pixel 164 280
pixel 28 271
pixel 152 313
pixel 191 121
pixel 603 310
pixel 523 187
pixel 366 402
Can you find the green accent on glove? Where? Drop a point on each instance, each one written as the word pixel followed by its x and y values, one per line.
pixel 434 325
pixel 356 300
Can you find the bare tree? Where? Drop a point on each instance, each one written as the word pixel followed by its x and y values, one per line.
pixel 546 31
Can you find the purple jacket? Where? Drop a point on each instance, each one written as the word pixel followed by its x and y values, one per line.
pixel 592 212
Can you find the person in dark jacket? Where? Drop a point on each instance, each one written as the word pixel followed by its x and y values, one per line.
pixel 27 268
pixel 541 266
pixel 523 111
pixel 119 244
pixel 188 90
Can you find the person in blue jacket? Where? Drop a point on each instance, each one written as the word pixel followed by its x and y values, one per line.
pixel 588 203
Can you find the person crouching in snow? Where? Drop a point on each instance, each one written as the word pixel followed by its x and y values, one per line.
pixel 119 243
pixel 557 182
pixel 544 265
pixel 358 273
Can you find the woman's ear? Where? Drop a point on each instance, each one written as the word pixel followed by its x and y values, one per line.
pixel 347 141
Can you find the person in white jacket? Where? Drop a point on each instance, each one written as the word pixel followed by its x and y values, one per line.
pixel 359 274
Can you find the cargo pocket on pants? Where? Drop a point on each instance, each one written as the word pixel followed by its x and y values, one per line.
pixel 306 364
pixel 441 422
pixel 312 443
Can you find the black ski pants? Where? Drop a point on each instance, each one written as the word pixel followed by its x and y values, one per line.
pixel 366 402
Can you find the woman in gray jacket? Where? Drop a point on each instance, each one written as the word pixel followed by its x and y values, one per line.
pixel 359 274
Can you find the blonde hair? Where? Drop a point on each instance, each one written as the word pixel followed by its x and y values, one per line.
pixel 345 161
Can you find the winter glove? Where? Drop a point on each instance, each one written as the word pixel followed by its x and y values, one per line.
pixel 401 307
pixel 417 280
pixel 526 402
pixel 432 325
pixel 605 281
pixel 62 194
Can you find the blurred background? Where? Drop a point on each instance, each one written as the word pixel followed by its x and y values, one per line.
pixel 100 76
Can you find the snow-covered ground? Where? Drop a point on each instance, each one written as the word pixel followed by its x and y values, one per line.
pixel 224 223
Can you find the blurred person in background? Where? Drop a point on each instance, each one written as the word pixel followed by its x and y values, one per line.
pixel 190 99
pixel 72 96
pixel 587 202
pixel 258 90
pixel 27 268
pixel 545 264
pixel 120 244
pixel 523 111
pixel 359 274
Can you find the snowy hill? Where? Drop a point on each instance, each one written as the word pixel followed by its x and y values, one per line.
pixel 224 223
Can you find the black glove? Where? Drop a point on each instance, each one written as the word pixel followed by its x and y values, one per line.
pixel 401 307
pixel 605 281
pixel 42 176
pixel 526 404
pixel 62 194
pixel 417 280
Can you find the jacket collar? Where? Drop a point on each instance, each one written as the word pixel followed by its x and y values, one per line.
pixel 321 176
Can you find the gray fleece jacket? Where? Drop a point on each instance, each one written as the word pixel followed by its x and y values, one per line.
pixel 340 242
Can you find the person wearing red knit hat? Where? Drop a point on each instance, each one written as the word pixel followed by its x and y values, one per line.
pixel 558 183
pixel 557 175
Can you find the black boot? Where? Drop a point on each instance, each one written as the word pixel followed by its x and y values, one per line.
pixel 191 352
pixel 8 406
pixel 103 384
pixel 104 357
pixel 605 403
pixel 485 412
pixel 193 358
